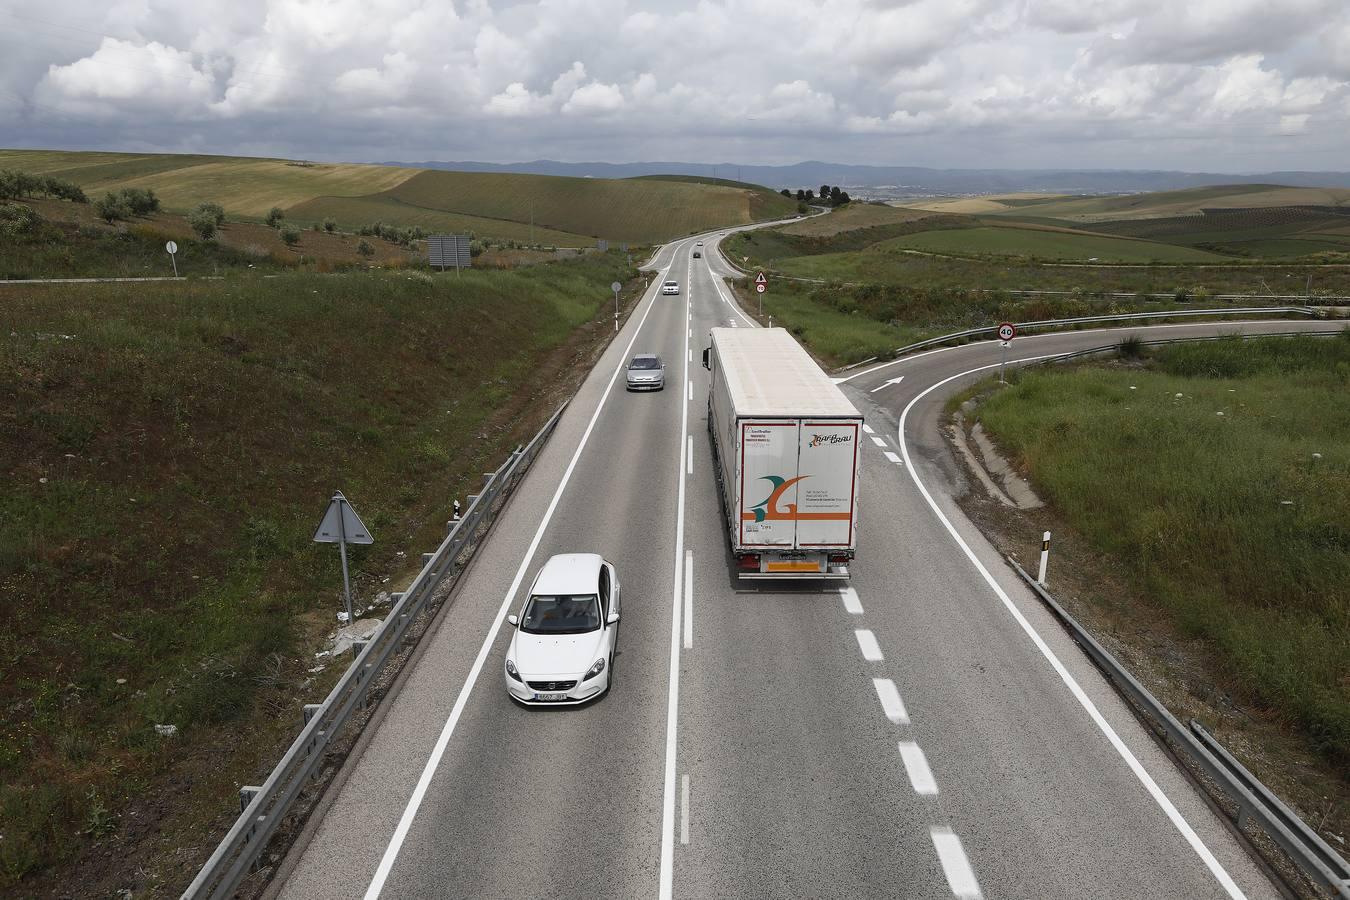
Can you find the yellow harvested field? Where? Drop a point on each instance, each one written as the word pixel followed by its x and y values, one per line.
pixel 992 203
pixel 853 217
pixel 1169 204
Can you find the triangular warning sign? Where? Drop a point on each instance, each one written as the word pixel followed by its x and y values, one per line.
pixel 760 279
pixel 341 522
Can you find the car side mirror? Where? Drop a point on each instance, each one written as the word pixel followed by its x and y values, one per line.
pixel 514 620
pixel 612 619
pixel 707 363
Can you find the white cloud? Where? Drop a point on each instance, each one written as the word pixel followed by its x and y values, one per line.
pixel 119 72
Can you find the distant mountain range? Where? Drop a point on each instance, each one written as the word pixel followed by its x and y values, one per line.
pixel 910 180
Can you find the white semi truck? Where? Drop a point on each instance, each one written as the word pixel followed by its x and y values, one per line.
pixel 788 457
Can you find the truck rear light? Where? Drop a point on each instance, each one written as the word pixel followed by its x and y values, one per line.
pixel 838 558
pixel 748 561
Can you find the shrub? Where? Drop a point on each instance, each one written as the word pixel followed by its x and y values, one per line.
pixel 141 201
pixel 290 235
pixel 63 190
pixel 203 221
pixel 18 221
pixel 329 225
pixel 15 185
pixel 364 248
pixel 475 249
pixel 215 210
pixel 112 208
pixel 274 216
pixel 1132 347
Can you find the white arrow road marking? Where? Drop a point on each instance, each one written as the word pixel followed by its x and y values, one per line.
pixel 887 384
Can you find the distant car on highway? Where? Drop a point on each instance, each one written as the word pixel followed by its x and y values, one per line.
pixel 646 372
pixel 670 287
pixel 698 243
pixel 563 650
pixel 697 254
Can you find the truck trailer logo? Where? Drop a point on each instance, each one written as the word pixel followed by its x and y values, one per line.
pixel 768 509
pixel 818 439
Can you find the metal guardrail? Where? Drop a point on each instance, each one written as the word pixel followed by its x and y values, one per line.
pixel 269 804
pixel 1253 800
pixel 992 330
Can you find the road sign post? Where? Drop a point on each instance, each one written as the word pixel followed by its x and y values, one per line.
pixel 616 287
pixel 761 285
pixel 342 526
pixel 1006 332
pixel 172 249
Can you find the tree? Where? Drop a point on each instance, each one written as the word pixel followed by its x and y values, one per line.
pixel 824 191
pixel 835 193
pixel 363 247
pixel 801 195
pixel 785 192
pixel 810 195
pixel 843 198
pixel 274 216
pixel 112 208
pixel 203 221
pixel 290 235
pixel 141 201
pixel 329 225
pixel 803 209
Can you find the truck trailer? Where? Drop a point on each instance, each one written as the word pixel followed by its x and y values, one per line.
pixel 786 444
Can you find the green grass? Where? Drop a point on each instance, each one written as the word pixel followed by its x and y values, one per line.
pixel 355 211
pixel 168 450
pixel 1229 523
pixel 1058 245
pixel 640 211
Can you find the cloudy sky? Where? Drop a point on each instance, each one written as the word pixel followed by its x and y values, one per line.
pixel 1212 85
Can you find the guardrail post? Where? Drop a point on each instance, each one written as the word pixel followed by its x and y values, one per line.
pixel 358 646
pixel 309 711
pixel 246 795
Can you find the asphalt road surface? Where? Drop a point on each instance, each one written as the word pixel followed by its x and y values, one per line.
pixel 927 732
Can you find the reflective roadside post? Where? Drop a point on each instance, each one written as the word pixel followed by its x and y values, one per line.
pixel 616 287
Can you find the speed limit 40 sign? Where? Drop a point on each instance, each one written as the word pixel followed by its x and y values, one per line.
pixel 1007 331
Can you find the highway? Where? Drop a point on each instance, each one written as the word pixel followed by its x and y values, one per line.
pixel 928 732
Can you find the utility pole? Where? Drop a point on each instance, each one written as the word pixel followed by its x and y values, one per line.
pixel 531 222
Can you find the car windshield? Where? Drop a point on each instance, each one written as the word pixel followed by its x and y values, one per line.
pixel 672 284
pixel 645 362
pixel 565 614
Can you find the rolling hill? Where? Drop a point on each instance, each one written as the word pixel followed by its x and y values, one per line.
pixel 564 211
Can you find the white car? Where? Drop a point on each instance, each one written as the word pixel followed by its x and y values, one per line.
pixel 563 650
pixel 670 287
pixel 698 244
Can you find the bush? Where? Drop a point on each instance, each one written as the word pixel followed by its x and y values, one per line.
pixel 203 221
pixel 1132 347
pixel 215 210
pixel 112 208
pixel 365 249
pixel 274 216
pixel 16 185
pixel 141 201
pixel 290 235
pixel 18 221
pixel 329 225
pixel 63 190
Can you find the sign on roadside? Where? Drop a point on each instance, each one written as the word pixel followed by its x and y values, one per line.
pixel 761 288
pixel 1007 331
pixel 445 250
pixel 342 526
pixel 760 279
pixel 172 248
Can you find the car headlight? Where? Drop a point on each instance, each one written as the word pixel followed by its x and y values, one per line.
pixel 512 671
pixel 594 670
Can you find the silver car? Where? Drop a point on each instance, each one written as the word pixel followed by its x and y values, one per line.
pixel 646 372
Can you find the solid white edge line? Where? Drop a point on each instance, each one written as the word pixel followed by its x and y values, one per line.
pixel 867 643
pixel 890 454
pixel 429 770
pixel 736 307
pixel 1173 814
pixel 684 808
pixel 916 767
pixel 955 865
pixel 666 872
pixel 851 601
pixel 689 600
pixel 891 704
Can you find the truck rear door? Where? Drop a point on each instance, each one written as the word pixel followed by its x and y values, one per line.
pixel 827 470
pixel 768 483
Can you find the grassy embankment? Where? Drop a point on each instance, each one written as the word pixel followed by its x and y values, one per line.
pixel 1219 478
pixel 873 297
pixel 570 212
pixel 167 450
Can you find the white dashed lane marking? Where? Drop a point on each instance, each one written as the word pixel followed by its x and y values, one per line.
pixel 916 765
pixel 960 876
pixel 867 643
pixel 894 458
pixel 880 442
pixel 891 704
pixel 867 429
pixel 851 601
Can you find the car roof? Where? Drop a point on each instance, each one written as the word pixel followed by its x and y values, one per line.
pixel 672 281
pixel 645 356
pixel 569 573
